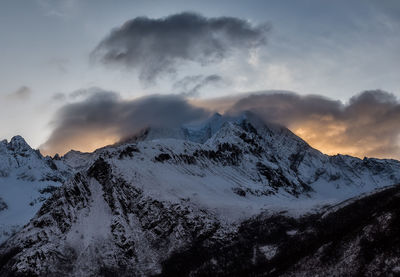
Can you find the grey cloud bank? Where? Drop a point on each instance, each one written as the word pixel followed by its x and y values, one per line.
pixel 105 114
pixel 368 125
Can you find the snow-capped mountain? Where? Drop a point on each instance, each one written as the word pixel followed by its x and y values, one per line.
pixel 154 203
pixel 27 179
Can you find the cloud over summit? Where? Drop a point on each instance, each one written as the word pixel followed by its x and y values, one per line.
pixel 157 46
pixel 104 118
pixel 367 125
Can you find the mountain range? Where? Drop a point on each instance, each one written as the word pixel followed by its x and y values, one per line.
pixel 230 196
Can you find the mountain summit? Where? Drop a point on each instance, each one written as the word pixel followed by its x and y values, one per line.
pixel 27 179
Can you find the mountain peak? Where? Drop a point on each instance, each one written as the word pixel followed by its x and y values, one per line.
pixel 19 144
pixel 18 138
pixel 216 115
pixel 202 131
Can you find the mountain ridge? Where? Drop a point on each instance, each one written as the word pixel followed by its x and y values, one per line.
pixel 156 197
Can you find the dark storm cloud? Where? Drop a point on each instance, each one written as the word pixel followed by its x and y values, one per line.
pixel 21 93
pixel 191 85
pixel 105 114
pixel 368 125
pixel 158 46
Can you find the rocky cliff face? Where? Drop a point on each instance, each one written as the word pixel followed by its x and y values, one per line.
pixel 357 238
pixel 230 197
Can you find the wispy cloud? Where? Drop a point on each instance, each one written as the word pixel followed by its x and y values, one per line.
pixel 191 85
pixel 21 94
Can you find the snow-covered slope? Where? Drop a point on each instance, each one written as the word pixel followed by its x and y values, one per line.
pixel 131 207
pixel 27 179
pixel 359 238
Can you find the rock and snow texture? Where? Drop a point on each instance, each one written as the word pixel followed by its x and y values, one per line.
pixel 359 239
pixel 134 207
pixel 27 179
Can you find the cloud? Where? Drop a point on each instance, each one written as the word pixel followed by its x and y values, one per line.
pixel 84 93
pixel 286 107
pixel 22 93
pixel 58 97
pixel 158 46
pixel 103 118
pixel 191 85
pixel 76 95
pixel 368 125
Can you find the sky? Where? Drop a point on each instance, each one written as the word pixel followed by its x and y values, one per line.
pixel 59 58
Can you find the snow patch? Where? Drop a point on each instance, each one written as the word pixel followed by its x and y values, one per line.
pixel 269 251
pixel 291 232
pixel 93 225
